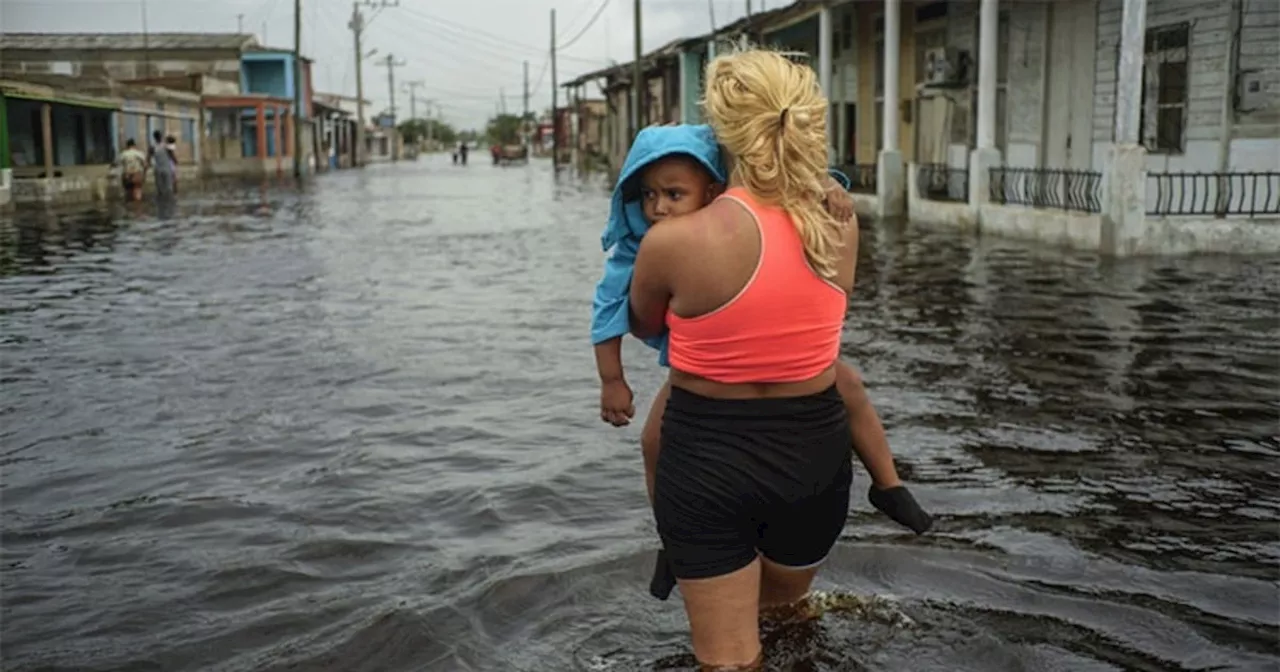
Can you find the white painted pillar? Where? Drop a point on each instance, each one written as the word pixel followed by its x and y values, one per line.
pixel 987 50
pixel 1124 178
pixel 892 34
pixel 1129 76
pixel 985 156
pixel 891 183
pixel 824 68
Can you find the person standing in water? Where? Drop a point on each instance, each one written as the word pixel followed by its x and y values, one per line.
pixel 162 165
pixel 133 170
pixel 752 482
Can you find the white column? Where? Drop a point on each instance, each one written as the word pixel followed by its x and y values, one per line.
pixel 892 33
pixel 1129 76
pixel 987 43
pixel 985 156
pixel 891 183
pixel 1124 178
pixel 824 67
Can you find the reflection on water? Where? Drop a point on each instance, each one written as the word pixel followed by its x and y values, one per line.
pixel 352 427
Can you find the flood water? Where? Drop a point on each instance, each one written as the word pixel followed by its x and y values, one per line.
pixel 355 428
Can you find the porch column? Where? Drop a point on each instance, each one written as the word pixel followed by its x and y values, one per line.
pixel 262 131
pixel 890 173
pixel 824 69
pixel 985 156
pixel 279 136
pixel 1124 177
pixel 46 136
pixel 197 149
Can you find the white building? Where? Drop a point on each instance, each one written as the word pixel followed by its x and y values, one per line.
pixel 1164 137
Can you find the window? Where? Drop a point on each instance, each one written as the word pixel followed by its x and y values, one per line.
pixel 1162 126
pixel 845 42
pixel 188 130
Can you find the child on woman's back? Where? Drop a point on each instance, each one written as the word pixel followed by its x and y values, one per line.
pixel 672 171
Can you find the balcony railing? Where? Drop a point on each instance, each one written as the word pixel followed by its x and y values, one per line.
pixel 862 177
pixel 1214 194
pixel 940 182
pixel 1076 190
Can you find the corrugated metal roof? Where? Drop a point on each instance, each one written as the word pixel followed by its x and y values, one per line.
pixel 774 19
pixel 126 41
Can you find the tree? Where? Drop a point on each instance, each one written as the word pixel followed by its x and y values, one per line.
pixel 503 129
pixel 416 130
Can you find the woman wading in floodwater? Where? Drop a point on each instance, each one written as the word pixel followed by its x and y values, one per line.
pixel 753 477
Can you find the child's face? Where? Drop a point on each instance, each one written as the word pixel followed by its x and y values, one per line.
pixel 675 186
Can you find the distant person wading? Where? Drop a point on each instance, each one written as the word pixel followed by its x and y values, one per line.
pixel 163 165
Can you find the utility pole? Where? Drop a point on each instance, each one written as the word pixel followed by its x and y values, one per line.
pixel 524 115
pixel 555 116
pixel 298 85
pixel 502 95
pixel 413 97
pixel 390 63
pixel 240 23
pixel 357 26
pixel 748 8
pixel 636 82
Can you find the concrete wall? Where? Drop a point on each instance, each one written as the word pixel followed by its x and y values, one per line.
pixel 1071 230
pixel 88 185
pixel 1187 235
pixel 950 215
pixel 251 167
pixel 219 64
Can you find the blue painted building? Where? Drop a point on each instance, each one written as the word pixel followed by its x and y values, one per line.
pixel 270 72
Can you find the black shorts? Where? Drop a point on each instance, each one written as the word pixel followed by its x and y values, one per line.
pixel 737 478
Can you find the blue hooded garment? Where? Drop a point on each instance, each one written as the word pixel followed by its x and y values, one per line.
pixel 611 310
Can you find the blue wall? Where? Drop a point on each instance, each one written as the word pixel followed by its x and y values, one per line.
pixel 692 63
pixel 268 73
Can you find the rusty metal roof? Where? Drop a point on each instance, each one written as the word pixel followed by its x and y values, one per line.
pixel 127 41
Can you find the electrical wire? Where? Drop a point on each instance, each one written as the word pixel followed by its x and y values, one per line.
pixel 594 18
pixel 497 41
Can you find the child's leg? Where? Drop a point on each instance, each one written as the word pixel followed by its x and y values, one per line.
pixel 869 441
pixel 651 435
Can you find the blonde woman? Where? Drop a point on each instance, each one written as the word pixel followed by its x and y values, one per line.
pixel 752 481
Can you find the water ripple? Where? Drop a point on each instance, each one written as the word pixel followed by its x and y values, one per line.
pixel 352 427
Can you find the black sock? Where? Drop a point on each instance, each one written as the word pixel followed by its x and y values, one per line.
pixel 899 505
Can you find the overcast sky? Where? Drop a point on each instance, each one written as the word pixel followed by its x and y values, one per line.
pixel 464 51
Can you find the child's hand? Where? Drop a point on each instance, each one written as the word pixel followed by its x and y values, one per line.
pixel 616 403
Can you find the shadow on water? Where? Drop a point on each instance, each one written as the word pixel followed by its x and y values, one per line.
pixel 349 426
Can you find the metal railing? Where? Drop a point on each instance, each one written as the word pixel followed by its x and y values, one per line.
pixel 940 182
pixel 1077 190
pixel 1216 194
pixel 862 177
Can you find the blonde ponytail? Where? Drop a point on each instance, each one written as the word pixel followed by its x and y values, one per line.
pixel 769 113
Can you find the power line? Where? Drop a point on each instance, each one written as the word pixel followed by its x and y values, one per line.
pixel 594 18
pixel 501 42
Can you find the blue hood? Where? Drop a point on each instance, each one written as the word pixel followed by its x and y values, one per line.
pixel 626 217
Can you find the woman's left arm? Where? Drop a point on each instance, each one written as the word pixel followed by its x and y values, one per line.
pixel 650 286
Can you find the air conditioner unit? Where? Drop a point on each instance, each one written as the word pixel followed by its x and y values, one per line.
pixel 944 66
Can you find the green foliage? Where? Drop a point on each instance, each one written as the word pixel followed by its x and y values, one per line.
pixel 415 130
pixel 503 129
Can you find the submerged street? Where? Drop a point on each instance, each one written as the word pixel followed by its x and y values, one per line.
pixel 354 426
